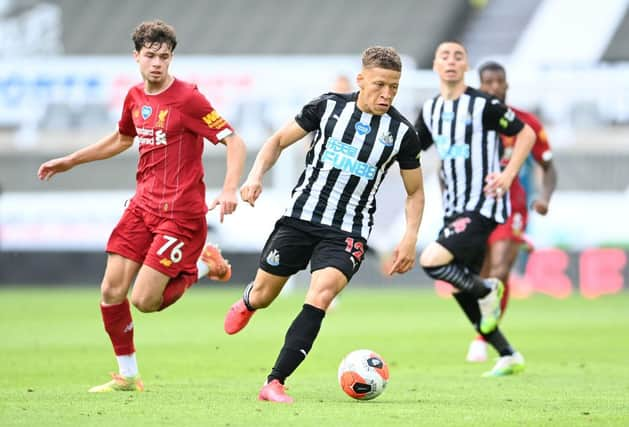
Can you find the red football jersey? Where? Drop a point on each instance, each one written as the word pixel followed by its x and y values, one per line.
pixel 170 127
pixel 541 152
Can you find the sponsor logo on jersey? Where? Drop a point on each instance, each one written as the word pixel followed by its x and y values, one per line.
pixel 447 116
pixel 507 118
pixel 147 110
pixel 273 258
pixel 448 151
pixel 468 119
pixel 386 138
pixel 345 157
pixel 362 128
pixel 160 137
pixel 161 118
pixel 214 120
pixel 151 137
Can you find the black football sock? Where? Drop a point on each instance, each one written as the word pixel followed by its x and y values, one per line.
pixel 499 342
pixel 469 304
pixel 298 342
pixel 460 277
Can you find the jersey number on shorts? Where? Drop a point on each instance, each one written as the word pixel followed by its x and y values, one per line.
pixel 351 245
pixel 175 252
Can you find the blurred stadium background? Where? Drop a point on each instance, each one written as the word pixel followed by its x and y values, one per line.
pixel 66 64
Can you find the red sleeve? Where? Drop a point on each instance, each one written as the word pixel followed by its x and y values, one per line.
pixel 541 149
pixel 125 124
pixel 201 118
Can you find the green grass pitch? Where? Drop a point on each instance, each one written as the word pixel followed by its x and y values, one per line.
pixel 53 348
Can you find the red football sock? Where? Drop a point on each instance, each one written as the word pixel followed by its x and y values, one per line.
pixel 175 289
pixel 119 326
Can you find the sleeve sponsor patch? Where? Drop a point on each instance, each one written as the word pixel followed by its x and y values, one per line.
pixel 214 120
pixel 507 118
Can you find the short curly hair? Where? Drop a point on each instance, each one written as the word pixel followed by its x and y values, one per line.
pixel 382 57
pixel 154 33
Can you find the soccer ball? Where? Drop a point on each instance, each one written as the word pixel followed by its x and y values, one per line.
pixel 363 374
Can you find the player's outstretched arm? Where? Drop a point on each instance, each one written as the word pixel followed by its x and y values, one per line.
pixel 266 158
pixel 236 155
pixel 549 183
pixel 499 182
pixel 405 252
pixel 107 147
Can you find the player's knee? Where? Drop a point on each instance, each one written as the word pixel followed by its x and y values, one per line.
pixel 434 255
pixel 429 259
pixel 145 304
pixel 112 294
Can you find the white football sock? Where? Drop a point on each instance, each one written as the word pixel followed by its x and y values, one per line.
pixel 127 365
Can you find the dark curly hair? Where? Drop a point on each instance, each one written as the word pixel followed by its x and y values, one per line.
pixel 154 33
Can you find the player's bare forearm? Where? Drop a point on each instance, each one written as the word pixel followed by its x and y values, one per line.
pixel 107 147
pixel 236 156
pixel 266 158
pixel 549 181
pixel 414 206
pixel 405 252
pixel 272 148
pixel 497 183
pixel 523 144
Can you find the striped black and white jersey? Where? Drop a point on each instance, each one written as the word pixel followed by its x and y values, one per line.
pixel 466 132
pixel 347 160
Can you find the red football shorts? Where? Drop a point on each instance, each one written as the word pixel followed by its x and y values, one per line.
pixel 170 246
pixel 513 229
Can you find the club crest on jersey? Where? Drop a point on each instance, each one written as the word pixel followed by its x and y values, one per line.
pixel 362 128
pixel 386 139
pixel 147 110
pixel 161 118
pixel 273 258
